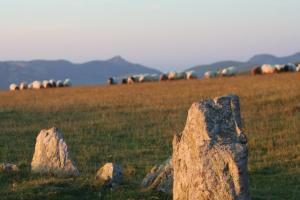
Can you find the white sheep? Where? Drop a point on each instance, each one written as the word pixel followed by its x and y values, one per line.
pixel 37 85
pixel 229 71
pixel 13 87
pixel 67 83
pixel 52 82
pixel 210 74
pixel 268 69
pixel 23 86
pixel 190 75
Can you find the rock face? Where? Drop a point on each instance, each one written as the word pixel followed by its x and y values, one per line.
pixel 51 155
pixel 8 167
pixel 160 178
pixel 110 174
pixel 210 155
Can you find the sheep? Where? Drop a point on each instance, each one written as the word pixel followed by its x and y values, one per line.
pixel 111 81
pixel 281 68
pixel 190 75
pixel 67 83
pixel 172 75
pixel 131 80
pixel 37 85
pixel 268 69
pixel 148 78
pixel 124 81
pixel 256 70
pixel 163 77
pixel 13 87
pixel 176 76
pixel 23 86
pixel 210 74
pixel 59 83
pixel 229 71
pixel 52 83
pixel 46 84
pixel 291 67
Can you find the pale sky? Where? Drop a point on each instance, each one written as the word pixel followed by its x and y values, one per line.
pixel 165 34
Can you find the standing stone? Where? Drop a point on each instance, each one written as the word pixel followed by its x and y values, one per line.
pixel 110 174
pixel 160 178
pixel 210 155
pixel 51 155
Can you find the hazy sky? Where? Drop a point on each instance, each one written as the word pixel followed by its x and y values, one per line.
pixel 165 34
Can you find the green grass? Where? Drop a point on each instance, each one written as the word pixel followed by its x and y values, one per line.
pixel 133 125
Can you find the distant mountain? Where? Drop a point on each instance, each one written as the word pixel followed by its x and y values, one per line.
pixel 246 66
pixel 93 72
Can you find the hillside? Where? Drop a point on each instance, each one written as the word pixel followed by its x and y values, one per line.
pixel 246 66
pixel 93 72
pixel 133 125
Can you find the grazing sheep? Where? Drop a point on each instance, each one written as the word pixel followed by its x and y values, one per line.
pixel 148 78
pixel 37 85
pixel 291 67
pixel 163 77
pixel 268 69
pixel 210 74
pixel 67 83
pixel 190 75
pixel 59 83
pixel 131 80
pixel 23 86
pixel 46 84
pixel 176 76
pixel 124 81
pixel 172 75
pixel 256 70
pixel 229 71
pixel 111 81
pixel 13 87
pixel 52 82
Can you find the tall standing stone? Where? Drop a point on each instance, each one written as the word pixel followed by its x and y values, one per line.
pixel 51 155
pixel 210 155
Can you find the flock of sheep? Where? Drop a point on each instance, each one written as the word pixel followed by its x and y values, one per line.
pixel 140 78
pixel 40 84
pixel 271 69
pixel 229 71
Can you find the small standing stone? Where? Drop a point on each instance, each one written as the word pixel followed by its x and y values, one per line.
pixel 8 167
pixel 51 155
pixel 160 178
pixel 110 174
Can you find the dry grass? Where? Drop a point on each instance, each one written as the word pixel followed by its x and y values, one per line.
pixel 134 125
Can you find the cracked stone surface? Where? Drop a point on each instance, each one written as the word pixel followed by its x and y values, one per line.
pixel 51 155
pixel 210 155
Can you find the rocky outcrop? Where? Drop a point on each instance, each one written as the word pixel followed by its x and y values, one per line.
pixel 8 167
pixel 51 155
pixel 210 155
pixel 110 175
pixel 160 178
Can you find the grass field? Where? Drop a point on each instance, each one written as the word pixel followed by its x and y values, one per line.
pixel 133 125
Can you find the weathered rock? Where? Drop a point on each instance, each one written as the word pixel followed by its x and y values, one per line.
pixel 160 178
pixel 8 167
pixel 51 155
pixel 110 174
pixel 210 155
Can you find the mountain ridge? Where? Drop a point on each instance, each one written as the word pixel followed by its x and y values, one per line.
pixel 85 73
